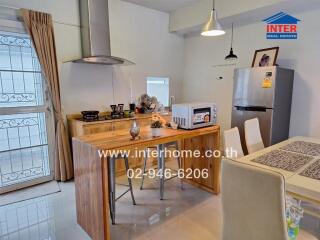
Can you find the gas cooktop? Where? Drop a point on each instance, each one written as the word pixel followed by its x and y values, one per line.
pixel 104 118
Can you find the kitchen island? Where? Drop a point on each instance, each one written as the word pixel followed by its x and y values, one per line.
pixel 91 169
pixel 78 127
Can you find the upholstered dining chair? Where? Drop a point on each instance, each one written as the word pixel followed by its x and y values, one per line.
pixel 253 135
pixel 232 142
pixel 253 201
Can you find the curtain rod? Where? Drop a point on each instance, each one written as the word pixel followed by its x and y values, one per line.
pixel 18 16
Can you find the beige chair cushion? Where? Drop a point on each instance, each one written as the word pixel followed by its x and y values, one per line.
pixel 232 141
pixel 253 135
pixel 253 202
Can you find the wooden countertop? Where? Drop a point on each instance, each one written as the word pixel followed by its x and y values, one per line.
pixel 122 140
pixel 77 118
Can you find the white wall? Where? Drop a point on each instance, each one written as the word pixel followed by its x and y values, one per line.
pixel 141 35
pixel 302 55
pixel 137 33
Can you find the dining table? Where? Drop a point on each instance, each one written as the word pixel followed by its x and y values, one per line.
pixel 298 160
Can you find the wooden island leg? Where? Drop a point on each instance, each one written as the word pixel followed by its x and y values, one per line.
pixel 91 186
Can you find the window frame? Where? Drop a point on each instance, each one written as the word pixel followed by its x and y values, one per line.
pixel 163 78
pixel 15 26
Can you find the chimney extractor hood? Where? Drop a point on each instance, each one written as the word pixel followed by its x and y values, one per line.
pixel 95 34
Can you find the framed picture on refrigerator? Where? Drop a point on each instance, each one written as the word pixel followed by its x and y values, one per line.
pixel 265 57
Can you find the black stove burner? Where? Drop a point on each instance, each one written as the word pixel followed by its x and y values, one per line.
pixel 90 116
pixel 93 116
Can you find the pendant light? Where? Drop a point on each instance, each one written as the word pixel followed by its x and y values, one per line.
pixel 231 55
pixel 212 27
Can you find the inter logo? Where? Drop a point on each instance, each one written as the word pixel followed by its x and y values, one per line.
pixel 282 26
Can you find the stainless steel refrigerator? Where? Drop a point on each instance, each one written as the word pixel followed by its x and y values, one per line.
pixel 264 93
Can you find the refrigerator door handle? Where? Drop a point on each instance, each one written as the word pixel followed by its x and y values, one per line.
pixel 251 108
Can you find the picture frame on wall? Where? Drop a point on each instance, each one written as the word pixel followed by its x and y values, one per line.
pixel 265 57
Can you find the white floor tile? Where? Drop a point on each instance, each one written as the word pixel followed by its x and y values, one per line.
pixel 189 214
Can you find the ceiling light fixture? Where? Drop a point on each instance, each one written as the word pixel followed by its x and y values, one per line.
pixel 212 27
pixel 231 55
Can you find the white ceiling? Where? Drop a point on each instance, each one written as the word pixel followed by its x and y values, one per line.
pixel 162 5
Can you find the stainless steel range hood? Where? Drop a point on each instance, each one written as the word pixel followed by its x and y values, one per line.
pixel 95 34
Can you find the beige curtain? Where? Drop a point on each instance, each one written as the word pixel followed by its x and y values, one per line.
pixel 40 27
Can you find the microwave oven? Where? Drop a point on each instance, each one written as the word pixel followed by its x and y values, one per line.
pixel 194 115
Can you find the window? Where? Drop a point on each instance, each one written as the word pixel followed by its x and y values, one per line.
pixel 25 116
pixel 20 73
pixel 159 87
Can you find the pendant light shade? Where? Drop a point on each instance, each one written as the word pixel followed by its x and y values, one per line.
pixel 231 56
pixel 212 27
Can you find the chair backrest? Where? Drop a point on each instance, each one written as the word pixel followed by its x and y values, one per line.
pixel 253 202
pixel 232 142
pixel 253 135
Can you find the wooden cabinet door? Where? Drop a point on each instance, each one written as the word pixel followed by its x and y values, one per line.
pixel 191 162
pixel 202 144
pixel 97 128
pixel 144 122
pixel 133 162
pixel 207 142
pixel 120 165
pixel 122 125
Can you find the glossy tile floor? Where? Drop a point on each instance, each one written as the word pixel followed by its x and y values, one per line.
pixel 188 214
pixel 48 217
pixel 184 214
